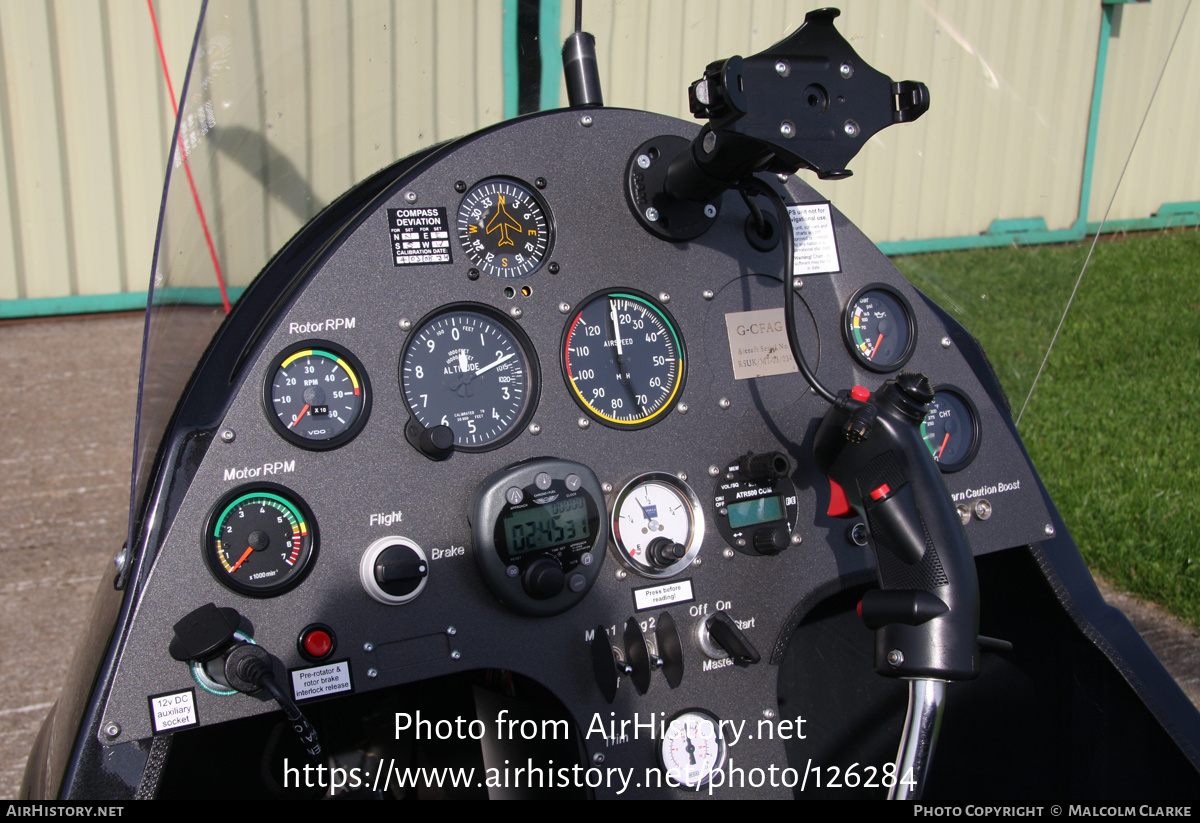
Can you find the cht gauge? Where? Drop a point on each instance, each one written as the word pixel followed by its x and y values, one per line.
pixel 623 359
pixel 261 541
pixel 879 328
pixel 657 525
pixel 504 228
pixel 317 395
pixel 951 429
pixel 469 369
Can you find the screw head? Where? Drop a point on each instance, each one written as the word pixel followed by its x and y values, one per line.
pixel 714 471
pixel 583 422
pixel 895 657
pixel 851 128
pixel 228 436
pixel 783 178
pixel 652 214
pixel 515 312
pixel 451 630
pixel 946 342
pixel 460 186
pixel 410 197
pixel 699 561
pixel 456 654
pixel 535 429
pixel 372 672
pixel 121 559
pixel 664 297
pixel 598 758
pixel 586 121
pixel 682 476
pixel 472 274
pixel 643 160
pixel 728 553
pixel 964 513
pixel 405 324
pixel 782 68
pixel 797 283
pixel 983 509
pixel 797 540
pixel 368 647
pixel 769 714
pixel 540 182
pixel 1049 530
pixel 606 488
pixel 846 70
pixel 564 307
pixel 787 129
pixel 710 210
pixel 112 730
pixel 724 403
pixel 681 407
pixel 552 268
pixel 622 574
pixel 708 294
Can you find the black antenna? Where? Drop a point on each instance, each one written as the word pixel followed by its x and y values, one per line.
pixel 579 66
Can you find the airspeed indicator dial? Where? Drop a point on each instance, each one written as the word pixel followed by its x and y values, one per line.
pixel 503 228
pixel 623 359
pixel 469 368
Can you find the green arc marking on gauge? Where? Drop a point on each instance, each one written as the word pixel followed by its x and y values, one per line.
pixel 253 495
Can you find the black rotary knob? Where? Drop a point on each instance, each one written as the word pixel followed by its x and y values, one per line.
pixel 543 579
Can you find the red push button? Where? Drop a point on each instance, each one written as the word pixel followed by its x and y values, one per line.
pixel 881 492
pixel 317 643
pixel 861 393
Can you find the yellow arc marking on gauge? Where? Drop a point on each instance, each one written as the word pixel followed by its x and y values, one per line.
pixel 345 366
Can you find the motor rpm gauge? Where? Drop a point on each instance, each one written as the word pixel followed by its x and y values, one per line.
pixel 260 541
pixel 879 328
pixel 623 359
pixel 469 368
pixel 951 429
pixel 504 228
pixel 317 395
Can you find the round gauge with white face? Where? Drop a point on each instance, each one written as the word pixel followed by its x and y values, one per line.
pixel 692 749
pixel 657 525
pixel 469 368
pixel 504 228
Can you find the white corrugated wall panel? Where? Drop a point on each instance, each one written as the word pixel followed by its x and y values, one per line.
pixel 1164 167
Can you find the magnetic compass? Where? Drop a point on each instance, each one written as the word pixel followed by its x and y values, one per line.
pixel 504 228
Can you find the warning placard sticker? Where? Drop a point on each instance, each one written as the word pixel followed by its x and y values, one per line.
pixel 173 711
pixel 419 236
pixel 318 681
pixel 815 250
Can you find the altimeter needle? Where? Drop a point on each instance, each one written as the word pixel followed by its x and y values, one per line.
pixel 495 363
pixel 245 554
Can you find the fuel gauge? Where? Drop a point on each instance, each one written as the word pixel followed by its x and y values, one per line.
pixel 951 429
pixel 657 525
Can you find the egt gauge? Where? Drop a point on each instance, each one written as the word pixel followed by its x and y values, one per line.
pixel 623 359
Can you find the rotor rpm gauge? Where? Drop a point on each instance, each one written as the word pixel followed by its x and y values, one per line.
pixel 260 541
pixel 469 368
pixel 317 395
pixel 623 359
pixel 503 227
pixel 657 525
pixel 879 328
pixel 951 429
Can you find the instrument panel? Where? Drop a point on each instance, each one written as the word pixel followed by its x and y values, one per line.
pixel 498 442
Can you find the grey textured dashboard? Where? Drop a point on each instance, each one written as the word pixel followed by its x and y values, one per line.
pixel 378 484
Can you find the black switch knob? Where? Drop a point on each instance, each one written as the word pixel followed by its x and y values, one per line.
pixel 437 442
pixel 663 552
pixel 543 579
pixel 771 541
pixel 399 570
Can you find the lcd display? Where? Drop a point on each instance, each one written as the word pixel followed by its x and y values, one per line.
pixel 546 526
pixel 758 510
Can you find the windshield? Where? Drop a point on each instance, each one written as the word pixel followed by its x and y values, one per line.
pixel 1047 124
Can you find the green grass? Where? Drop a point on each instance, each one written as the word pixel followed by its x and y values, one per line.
pixel 1114 425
